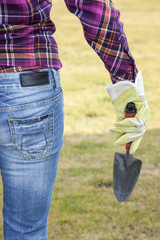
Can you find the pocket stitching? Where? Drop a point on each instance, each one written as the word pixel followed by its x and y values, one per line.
pixel 13 136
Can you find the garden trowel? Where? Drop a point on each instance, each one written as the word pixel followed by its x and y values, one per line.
pixel 126 167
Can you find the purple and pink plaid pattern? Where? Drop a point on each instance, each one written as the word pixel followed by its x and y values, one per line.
pixel 104 33
pixel 26 36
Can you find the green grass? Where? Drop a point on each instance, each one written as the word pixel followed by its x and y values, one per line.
pixel 83 204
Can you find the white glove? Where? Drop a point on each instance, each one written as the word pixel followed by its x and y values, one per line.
pixel 129 129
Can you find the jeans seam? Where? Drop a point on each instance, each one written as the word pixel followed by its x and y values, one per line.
pixel 12 129
pixel 27 88
pixel 37 104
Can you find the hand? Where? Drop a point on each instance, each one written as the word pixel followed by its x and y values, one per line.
pixel 129 129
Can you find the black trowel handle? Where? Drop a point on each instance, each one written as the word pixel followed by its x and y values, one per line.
pixel 130 112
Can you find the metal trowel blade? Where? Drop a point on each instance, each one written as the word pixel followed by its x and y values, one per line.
pixel 126 171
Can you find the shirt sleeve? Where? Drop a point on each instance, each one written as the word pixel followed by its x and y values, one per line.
pixel 104 32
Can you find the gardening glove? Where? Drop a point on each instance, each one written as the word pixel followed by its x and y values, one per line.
pixel 129 129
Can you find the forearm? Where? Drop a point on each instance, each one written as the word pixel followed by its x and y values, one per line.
pixel 104 32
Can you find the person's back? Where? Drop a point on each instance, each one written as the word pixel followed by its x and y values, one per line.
pixel 26 35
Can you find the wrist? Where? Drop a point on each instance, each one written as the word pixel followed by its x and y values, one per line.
pixel 115 90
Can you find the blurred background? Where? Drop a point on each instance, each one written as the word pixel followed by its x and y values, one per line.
pixel 84 78
pixel 83 202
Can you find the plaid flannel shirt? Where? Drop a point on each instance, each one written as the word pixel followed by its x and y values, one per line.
pixel 27 42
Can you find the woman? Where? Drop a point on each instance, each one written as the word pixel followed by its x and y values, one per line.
pixel 31 110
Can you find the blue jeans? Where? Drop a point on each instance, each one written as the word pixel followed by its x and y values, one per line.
pixel 31 137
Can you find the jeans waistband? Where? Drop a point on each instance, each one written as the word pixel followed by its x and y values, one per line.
pixel 11 81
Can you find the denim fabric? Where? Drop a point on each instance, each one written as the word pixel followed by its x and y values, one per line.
pixel 31 137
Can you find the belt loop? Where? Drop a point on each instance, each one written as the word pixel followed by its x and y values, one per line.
pixel 56 80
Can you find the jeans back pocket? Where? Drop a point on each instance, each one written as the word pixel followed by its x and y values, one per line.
pixel 33 137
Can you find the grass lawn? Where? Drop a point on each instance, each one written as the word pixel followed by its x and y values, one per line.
pixel 83 204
